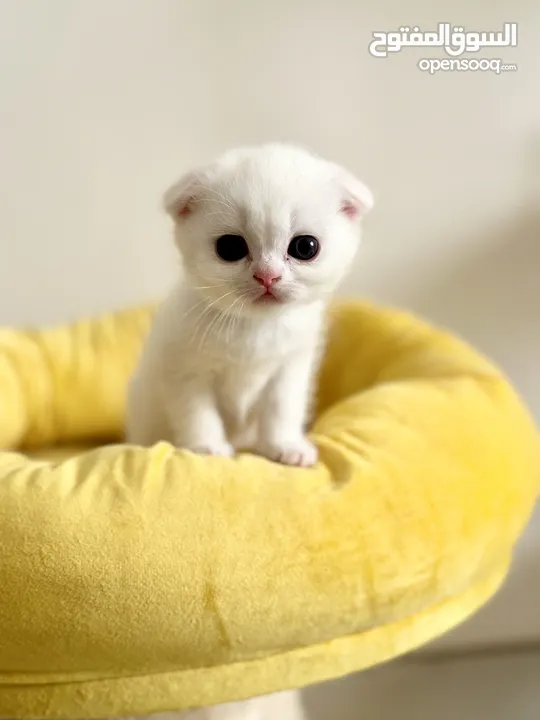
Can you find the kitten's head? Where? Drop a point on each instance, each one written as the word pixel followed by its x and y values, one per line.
pixel 265 227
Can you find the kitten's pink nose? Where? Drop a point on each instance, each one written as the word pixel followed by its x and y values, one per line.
pixel 266 277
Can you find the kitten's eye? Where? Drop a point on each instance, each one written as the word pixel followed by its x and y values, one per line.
pixel 231 248
pixel 303 247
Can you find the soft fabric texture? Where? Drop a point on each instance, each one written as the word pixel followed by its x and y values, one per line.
pixel 137 580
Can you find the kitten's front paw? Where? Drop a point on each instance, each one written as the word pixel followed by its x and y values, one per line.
pixel 301 452
pixel 219 449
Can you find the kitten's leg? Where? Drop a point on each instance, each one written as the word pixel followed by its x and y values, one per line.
pixel 282 415
pixel 194 419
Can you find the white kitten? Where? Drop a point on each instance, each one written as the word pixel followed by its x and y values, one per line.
pixel 265 235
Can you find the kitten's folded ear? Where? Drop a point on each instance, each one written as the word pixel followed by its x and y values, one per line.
pixel 357 197
pixel 179 200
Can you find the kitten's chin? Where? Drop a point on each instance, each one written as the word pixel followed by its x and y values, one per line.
pixel 264 306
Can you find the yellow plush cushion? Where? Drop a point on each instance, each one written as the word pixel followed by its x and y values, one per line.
pixel 136 580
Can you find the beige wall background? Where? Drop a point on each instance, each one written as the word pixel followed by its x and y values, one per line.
pixel 103 103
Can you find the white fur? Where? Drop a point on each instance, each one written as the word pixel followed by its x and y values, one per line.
pixel 280 706
pixel 221 370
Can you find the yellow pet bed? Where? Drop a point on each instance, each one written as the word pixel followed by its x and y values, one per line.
pixel 136 580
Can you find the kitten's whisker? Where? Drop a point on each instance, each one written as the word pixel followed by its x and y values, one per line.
pixel 228 320
pixel 208 287
pixel 217 202
pixel 206 309
pixel 191 309
pixel 212 322
pixel 233 316
pixel 224 318
pixel 225 200
pixel 217 213
pixel 245 298
pixel 219 198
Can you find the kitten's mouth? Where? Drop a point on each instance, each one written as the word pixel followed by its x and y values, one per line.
pixel 267 297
